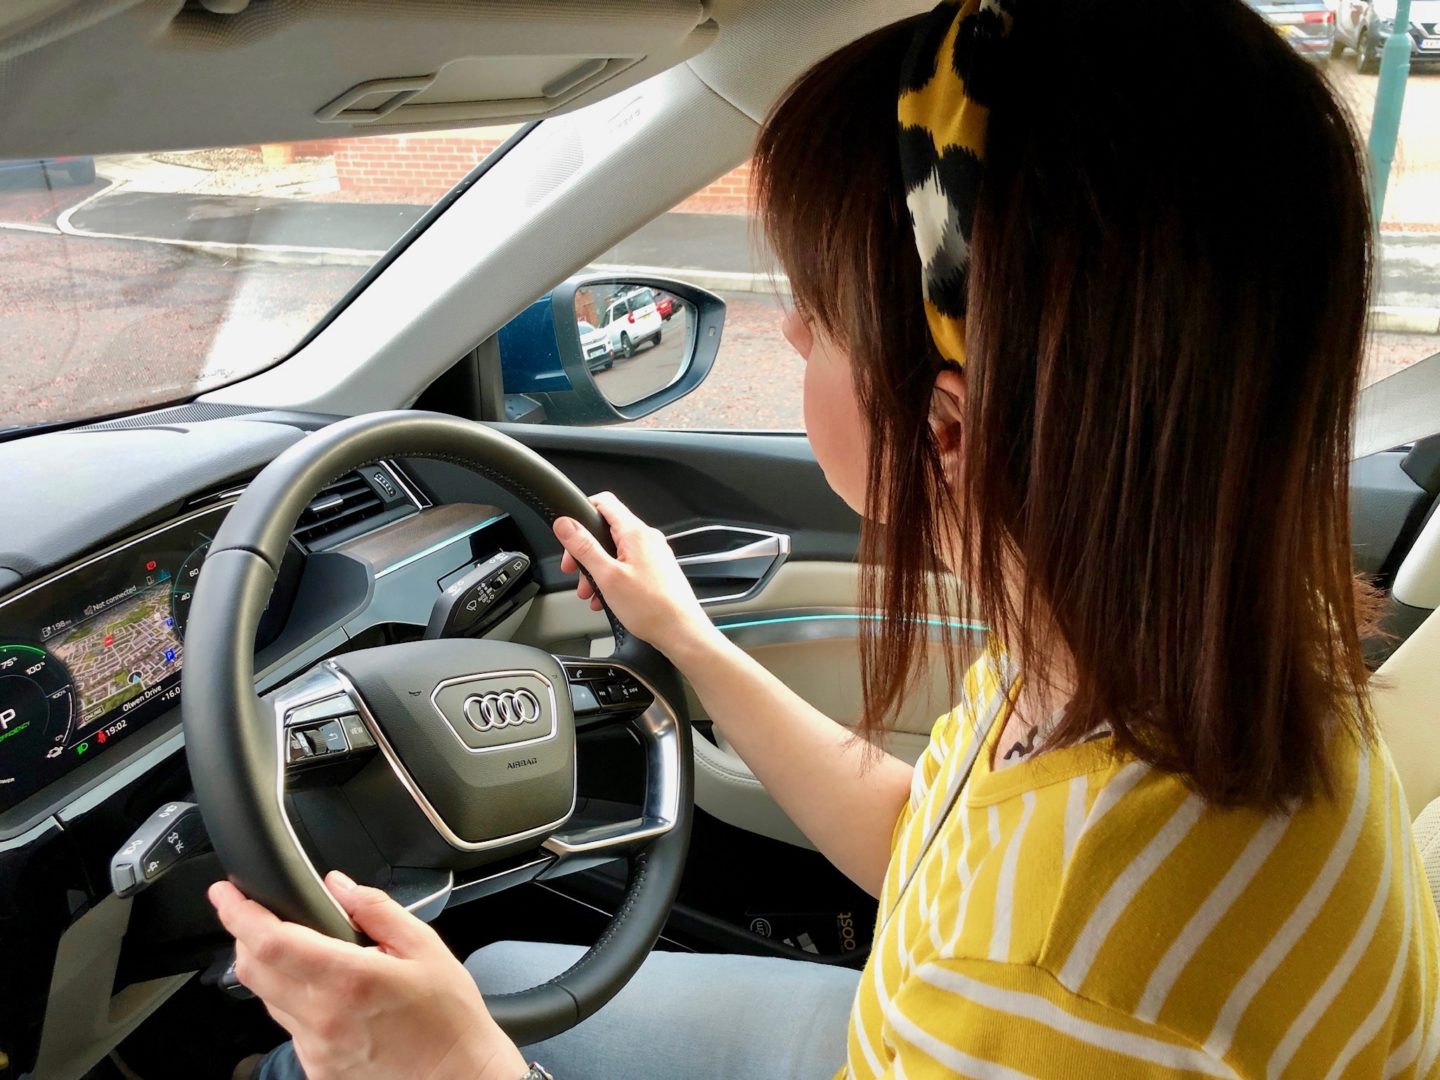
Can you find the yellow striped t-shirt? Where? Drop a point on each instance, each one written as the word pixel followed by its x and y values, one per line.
pixel 1075 915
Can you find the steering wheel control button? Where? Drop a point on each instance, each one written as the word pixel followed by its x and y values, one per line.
pixel 603 686
pixel 172 833
pixel 297 748
pixel 331 737
pixel 356 731
pixel 230 983
pixel 583 698
pixel 320 710
pixel 466 601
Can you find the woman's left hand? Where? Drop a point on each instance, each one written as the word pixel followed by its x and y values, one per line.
pixel 406 1007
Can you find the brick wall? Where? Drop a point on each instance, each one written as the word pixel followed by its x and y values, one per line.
pixel 422 168
pixel 728 195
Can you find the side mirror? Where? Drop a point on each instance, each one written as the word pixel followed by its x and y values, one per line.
pixel 658 347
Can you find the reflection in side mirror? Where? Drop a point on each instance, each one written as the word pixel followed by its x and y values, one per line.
pixel 603 350
pixel 636 341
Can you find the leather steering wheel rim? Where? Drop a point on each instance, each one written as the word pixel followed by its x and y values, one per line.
pixel 230 732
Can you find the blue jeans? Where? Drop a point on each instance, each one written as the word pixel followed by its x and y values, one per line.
pixel 683 1016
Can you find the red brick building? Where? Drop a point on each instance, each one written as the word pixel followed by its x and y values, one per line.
pixel 421 168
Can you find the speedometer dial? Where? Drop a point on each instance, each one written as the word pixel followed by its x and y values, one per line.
pixel 183 591
pixel 37 704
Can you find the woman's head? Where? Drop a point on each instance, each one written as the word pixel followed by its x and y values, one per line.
pixel 1145 453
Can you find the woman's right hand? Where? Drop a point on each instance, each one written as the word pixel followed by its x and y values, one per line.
pixel 643 584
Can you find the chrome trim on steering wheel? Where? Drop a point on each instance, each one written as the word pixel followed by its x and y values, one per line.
pixel 313 686
pixel 494 721
pixel 658 728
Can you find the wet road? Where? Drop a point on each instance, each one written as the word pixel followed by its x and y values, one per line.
pixel 90 327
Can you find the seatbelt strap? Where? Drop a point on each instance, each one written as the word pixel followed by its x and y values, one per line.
pixel 1398 409
pixel 993 709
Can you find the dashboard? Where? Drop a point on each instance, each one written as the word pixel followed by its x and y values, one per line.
pixel 108 533
pixel 94 653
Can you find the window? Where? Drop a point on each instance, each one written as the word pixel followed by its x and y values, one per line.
pixel 142 279
pixel 709 240
pixel 756 383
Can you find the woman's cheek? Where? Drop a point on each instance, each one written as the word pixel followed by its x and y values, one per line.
pixel 835 428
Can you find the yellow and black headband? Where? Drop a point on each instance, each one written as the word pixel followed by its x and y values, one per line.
pixel 946 83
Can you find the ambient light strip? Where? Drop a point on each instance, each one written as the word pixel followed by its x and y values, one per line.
pixel 438 546
pixel 777 620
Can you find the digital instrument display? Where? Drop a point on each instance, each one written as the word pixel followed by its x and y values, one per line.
pixel 95 652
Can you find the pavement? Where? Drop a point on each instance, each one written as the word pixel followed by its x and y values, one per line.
pixel 366 230
pixel 705 243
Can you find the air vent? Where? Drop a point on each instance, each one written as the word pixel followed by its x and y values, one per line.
pixel 356 503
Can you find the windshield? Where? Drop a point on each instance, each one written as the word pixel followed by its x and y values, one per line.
pixel 136 280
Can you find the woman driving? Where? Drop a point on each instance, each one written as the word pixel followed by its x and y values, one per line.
pixel 1087 333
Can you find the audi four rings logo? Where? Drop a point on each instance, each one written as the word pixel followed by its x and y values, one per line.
pixel 502 709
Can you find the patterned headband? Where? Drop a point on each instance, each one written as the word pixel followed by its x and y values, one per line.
pixel 946 83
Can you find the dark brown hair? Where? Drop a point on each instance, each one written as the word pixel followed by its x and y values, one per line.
pixel 1169 280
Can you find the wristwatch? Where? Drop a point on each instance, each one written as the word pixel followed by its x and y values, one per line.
pixel 536 1072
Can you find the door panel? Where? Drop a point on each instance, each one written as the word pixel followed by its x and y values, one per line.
pixel 801 619
pixel 804 627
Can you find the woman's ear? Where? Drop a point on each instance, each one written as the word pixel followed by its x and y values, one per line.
pixel 947 410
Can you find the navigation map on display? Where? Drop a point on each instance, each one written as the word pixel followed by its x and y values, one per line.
pixel 123 652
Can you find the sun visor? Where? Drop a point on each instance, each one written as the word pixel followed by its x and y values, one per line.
pixel 120 75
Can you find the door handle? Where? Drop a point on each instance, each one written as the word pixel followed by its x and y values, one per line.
pixel 772 546
pixel 732 563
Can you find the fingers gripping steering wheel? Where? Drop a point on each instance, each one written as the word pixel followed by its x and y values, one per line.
pixel 442 805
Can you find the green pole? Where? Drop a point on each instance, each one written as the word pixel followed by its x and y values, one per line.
pixel 1389 100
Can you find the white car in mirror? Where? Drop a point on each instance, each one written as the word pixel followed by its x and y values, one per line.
pixel 630 320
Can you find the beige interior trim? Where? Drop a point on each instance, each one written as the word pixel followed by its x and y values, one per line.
pixel 1417 581
pixel 825 672
pixel 1406 697
pixel 101 77
pixel 84 1018
pixel 559 617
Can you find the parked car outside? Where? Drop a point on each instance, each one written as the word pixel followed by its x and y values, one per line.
pixel 595 344
pixel 1308 25
pixel 665 304
pixel 630 319
pixel 1366 25
pixel 77 170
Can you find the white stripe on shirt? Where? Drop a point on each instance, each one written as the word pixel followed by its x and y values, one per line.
pixel 1385 1003
pixel 953 1058
pixel 1025 1006
pixel 1344 967
pixel 1005 890
pixel 1221 899
pixel 1122 891
pixel 1279 946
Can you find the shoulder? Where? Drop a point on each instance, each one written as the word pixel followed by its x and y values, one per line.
pixel 1226 925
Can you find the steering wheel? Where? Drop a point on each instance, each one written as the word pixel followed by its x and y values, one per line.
pixel 468 782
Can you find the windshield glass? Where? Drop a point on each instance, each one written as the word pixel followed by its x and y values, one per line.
pixel 135 280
